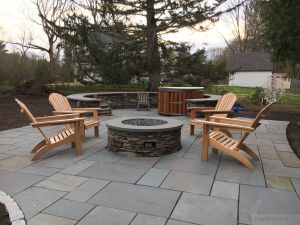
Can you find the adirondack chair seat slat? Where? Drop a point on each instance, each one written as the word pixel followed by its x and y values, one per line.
pixel 61 135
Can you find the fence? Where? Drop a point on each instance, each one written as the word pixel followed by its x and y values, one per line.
pixel 295 84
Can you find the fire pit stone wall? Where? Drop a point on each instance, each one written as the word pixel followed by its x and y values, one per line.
pixel 147 136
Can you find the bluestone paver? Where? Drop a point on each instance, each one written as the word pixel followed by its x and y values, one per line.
pixel 107 216
pixel 105 156
pixel 283 147
pixel 176 222
pixel 276 168
pixel 296 184
pixel 279 182
pixel 188 165
pixel 13 182
pixel 289 159
pixel 234 171
pixel 4 156
pixel 147 162
pixel 268 152
pixel 225 190
pixel 201 209
pixel 258 201
pixel 62 182
pixel 45 219
pixel 188 182
pixel 115 172
pixel 39 170
pixel 15 163
pixel 86 190
pixel 33 200
pixel 153 177
pixel 78 167
pixel 142 199
pixel 69 209
pixel 142 219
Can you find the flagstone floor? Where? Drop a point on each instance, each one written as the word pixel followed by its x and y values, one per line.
pixel 100 187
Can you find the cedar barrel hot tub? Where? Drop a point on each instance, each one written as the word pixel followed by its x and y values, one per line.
pixel 172 100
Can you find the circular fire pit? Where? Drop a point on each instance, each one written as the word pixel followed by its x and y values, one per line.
pixel 144 136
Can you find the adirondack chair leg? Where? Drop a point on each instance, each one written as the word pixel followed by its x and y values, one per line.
pixel 78 145
pixel 96 129
pixel 192 129
pixel 38 146
pixel 73 145
pixel 205 140
pixel 41 151
pixel 249 151
pixel 242 159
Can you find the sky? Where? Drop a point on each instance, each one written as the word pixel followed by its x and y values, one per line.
pixel 15 14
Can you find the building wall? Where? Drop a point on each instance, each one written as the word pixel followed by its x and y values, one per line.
pixel 249 79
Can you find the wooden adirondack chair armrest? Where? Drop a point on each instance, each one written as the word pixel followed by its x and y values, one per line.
pixel 57 117
pixel 56 122
pixel 68 112
pixel 94 111
pixel 227 126
pixel 216 111
pixel 209 112
pixel 86 109
pixel 194 110
pixel 243 122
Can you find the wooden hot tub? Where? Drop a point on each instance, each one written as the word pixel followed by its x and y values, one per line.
pixel 171 100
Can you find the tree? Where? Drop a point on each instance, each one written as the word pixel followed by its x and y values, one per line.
pixel 281 30
pixel 50 13
pixel 245 23
pixel 145 21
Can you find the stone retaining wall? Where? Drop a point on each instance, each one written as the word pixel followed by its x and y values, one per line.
pixel 114 100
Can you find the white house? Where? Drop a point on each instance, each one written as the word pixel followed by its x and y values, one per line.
pixel 249 69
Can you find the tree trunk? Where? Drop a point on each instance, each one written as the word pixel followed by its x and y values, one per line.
pixel 153 62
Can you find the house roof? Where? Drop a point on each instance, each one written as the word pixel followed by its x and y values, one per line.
pixel 249 61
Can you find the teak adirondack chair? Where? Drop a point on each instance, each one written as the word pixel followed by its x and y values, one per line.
pixel 61 105
pixel 143 99
pixel 223 107
pixel 220 141
pixel 70 134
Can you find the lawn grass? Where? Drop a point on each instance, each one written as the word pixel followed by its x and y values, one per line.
pixel 244 94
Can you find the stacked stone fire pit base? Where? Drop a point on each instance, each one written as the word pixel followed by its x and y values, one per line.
pixel 147 136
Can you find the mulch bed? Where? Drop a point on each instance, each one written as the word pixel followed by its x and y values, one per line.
pixel 10 116
pixel 4 217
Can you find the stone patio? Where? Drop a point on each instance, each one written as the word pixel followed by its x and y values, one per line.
pixel 100 187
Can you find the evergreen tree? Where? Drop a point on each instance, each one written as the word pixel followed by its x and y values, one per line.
pixel 281 30
pixel 143 22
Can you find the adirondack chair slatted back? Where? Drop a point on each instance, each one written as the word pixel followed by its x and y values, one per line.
pixel 255 122
pixel 226 102
pixel 143 96
pixel 59 102
pixel 31 117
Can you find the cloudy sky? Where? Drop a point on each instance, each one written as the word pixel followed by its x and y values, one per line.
pixel 14 19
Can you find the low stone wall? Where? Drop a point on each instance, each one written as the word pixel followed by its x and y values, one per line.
pixel 138 143
pixel 115 100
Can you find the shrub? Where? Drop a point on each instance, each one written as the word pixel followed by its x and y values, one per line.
pixel 258 96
